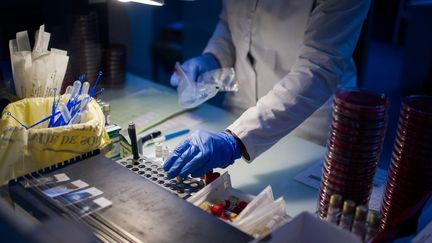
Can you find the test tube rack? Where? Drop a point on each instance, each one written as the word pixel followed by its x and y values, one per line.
pixel 153 171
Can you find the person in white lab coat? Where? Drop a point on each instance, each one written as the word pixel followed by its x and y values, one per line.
pixel 290 56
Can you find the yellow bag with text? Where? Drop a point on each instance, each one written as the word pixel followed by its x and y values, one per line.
pixel 23 151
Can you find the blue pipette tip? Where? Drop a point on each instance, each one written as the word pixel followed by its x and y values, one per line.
pixel 99 91
pixel 10 114
pixel 81 77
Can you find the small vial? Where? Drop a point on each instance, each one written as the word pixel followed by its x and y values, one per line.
pixel 358 226
pixel 85 88
pixel 106 109
pixel 158 150
pixel 165 152
pixel 373 225
pixel 68 90
pixel 334 209
pixel 347 217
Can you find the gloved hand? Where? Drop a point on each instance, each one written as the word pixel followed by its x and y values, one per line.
pixel 201 152
pixel 195 67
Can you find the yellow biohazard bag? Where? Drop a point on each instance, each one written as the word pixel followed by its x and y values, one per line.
pixel 23 151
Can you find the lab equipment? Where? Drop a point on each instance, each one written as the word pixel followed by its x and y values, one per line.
pixel 201 152
pixel 410 173
pixel 347 216
pixel 73 111
pixel 255 215
pixel 158 150
pixel 166 137
pixel 26 148
pixel 359 223
pixel 133 139
pixel 39 72
pixel 373 226
pixel 150 136
pixel 354 146
pixel 334 210
pixel 144 139
pixel 152 170
pixel 106 110
pixel 138 203
pixel 194 92
pixel 165 153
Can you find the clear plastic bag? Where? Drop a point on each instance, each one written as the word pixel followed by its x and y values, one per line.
pixel 265 219
pixel 193 93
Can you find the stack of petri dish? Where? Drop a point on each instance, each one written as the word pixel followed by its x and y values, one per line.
pixel 353 147
pixel 85 48
pixel 114 66
pixel 410 173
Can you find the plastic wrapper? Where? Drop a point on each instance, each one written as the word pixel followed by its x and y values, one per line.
pixel 264 219
pixel 265 197
pixel 193 93
pixel 262 214
pixel 36 72
pixel 27 150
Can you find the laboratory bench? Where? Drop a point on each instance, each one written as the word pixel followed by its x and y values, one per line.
pixel 276 167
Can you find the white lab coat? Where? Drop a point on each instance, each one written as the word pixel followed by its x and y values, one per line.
pixel 289 57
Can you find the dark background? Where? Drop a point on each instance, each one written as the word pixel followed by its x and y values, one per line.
pixel 394 54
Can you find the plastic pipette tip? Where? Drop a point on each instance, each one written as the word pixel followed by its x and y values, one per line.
pixel 10 114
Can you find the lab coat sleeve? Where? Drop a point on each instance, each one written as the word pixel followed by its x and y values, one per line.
pixel 329 40
pixel 220 44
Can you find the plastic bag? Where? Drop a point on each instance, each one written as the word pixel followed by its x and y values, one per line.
pixel 36 72
pixel 265 219
pixel 23 151
pixel 193 93
pixel 218 189
pixel 265 197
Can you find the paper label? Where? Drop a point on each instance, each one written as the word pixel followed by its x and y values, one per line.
pixel 65 188
pixel 46 180
pixel 79 196
pixel 87 207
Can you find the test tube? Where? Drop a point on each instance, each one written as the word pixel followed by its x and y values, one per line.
pixel 75 89
pixel 165 152
pixel 373 225
pixel 158 150
pixel 84 102
pixel 106 111
pixel 64 112
pixel 85 88
pixel 76 119
pixel 358 226
pixel 347 217
pixel 334 209
pixel 68 89
pixel 133 138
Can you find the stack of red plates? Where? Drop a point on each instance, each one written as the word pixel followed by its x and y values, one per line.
pixel 410 173
pixel 354 146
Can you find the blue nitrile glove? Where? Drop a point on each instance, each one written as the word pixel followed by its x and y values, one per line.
pixel 201 152
pixel 195 67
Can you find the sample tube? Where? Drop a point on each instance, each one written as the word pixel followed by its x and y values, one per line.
pixel 334 209
pixel 165 152
pixel 85 88
pixel 358 226
pixel 158 150
pixel 347 215
pixel 106 111
pixel 133 138
pixel 373 225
